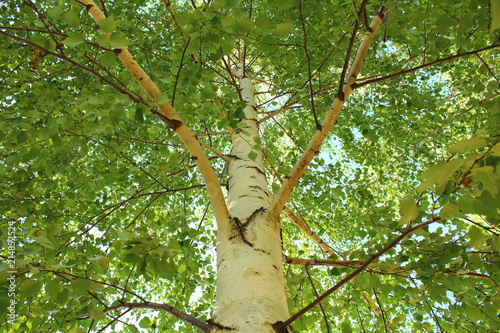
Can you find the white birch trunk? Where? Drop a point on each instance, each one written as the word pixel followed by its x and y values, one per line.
pixel 250 284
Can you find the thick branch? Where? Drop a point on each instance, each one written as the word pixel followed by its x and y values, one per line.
pixel 202 326
pixel 329 120
pixel 281 327
pixel 174 120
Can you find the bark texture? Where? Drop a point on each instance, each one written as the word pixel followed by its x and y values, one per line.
pixel 250 285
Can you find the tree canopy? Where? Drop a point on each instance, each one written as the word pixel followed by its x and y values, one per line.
pixel 103 204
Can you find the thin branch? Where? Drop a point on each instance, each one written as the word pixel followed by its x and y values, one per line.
pixel 488 68
pixel 308 58
pixel 114 319
pixel 325 318
pixel 202 326
pixel 381 310
pixel 414 69
pixel 289 104
pixel 358 263
pixel 281 326
pixel 179 69
pixel 77 65
pixel 66 275
pixel 472 274
pixel 429 306
pixel 370 303
pixel 328 122
pixel 321 262
pixel 351 45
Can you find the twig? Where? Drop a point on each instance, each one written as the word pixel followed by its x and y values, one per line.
pixel 325 318
pixel 77 65
pixel 414 69
pixel 66 275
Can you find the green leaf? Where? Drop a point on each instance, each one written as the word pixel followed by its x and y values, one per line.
pixel 108 58
pixel 74 39
pixel 217 4
pixel 103 41
pixel 181 269
pixel 346 327
pixel 22 137
pixel 239 113
pixel 227 21
pixel 29 288
pixel 408 210
pixel 161 98
pixel 55 12
pixel 496 243
pixel 96 313
pixel 81 286
pixel 63 296
pixel 72 18
pixel 488 178
pixel 263 22
pixel 450 210
pixel 118 39
pixel 138 115
pixel 108 24
pixel 145 323
pixel 252 155
pixel 284 29
pixel 476 237
pixel 244 23
pixel 44 241
pixel 440 174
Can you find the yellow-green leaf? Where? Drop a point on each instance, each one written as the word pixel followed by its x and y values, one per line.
pixel 476 237
pixel 467 145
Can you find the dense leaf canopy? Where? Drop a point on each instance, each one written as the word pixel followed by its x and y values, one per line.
pixel 103 203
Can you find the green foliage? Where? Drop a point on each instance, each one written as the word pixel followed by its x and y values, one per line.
pixel 107 206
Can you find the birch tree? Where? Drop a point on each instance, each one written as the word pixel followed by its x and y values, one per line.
pixel 250 166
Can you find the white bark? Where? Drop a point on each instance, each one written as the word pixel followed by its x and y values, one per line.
pixel 250 284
